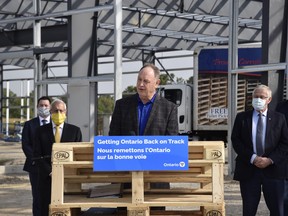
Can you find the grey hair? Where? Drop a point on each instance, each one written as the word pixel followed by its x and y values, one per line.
pixel 57 101
pixel 261 86
pixel 154 68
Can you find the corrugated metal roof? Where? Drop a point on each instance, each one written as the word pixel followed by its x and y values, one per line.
pixel 147 25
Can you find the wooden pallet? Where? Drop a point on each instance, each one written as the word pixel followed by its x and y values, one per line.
pixel 212 92
pixel 251 85
pixel 241 95
pixel 199 190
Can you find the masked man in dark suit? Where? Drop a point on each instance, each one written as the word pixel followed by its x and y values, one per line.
pixel 282 107
pixel 44 139
pixel 28 134
pixel 145 113
pixel 260 139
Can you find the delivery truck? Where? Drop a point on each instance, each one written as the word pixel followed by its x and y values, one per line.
pixel 203 105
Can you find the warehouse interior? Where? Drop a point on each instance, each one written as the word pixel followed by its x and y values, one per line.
pixel 89 42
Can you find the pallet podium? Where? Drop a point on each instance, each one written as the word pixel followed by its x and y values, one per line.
pixel 197 191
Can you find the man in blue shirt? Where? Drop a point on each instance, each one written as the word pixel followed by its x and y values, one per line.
pixel 145 113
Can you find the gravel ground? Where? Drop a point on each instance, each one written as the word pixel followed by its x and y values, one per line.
pixel 15 191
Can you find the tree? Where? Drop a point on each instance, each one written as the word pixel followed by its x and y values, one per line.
pixel 105 104
pixel 130 89
pixel 14 104
pixel 190 80
pixel 165 79
pixel 180 80
pixel 105 108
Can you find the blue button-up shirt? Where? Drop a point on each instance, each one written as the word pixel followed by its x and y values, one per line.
pixel 144 113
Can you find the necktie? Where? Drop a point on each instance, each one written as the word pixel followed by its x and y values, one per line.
pixel 44 121
pixel 57 134
pixel 259 136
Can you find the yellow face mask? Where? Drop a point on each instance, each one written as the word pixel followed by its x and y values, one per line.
pixel 58 118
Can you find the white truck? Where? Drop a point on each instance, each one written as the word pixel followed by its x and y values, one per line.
pixel 203 106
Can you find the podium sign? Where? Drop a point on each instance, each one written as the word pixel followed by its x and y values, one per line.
pixel 140 153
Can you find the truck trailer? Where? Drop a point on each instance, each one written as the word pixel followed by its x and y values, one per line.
pixel 203 105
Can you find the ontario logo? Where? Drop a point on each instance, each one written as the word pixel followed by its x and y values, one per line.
pixel 61 155
pixel 182 164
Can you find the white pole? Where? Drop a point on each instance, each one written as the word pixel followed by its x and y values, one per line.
pixel 118 49
pixel 22 99
pixel 232 78
pixel 7 109
pixel 28 100
pixel 37 58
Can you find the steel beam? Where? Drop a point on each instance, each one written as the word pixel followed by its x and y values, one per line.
pixel 57 14
pixel 274 40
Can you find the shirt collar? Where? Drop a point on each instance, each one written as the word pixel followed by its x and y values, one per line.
pixel 263 113
pixel 150 101
pixel 47 119
pixel 54 125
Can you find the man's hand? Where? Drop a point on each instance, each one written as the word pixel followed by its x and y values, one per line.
pixel 262 162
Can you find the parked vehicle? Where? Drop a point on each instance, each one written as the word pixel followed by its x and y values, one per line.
pixel 203 106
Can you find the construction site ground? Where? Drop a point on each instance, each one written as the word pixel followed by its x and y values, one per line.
pixel 15 190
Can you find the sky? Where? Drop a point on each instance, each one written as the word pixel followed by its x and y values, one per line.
pixel 21 80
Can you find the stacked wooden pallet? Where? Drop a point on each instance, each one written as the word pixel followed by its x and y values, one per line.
pixel 203 99
pixel 198 191
pixel 212 93
pixel 251 85
pixel 241 95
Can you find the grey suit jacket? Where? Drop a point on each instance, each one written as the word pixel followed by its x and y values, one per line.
pixel 162 119
pixel 276 145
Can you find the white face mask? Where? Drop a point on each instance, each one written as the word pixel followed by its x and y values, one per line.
pixel 258 104
pixel 43 112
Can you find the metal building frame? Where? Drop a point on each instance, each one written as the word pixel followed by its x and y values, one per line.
pixel 169 36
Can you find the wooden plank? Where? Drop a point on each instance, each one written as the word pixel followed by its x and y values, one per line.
pixel 195 191
pixel 137 187
pixel 57 185
pixel 76 201
pixel 138 211
pixel 97 180
pixel 217 182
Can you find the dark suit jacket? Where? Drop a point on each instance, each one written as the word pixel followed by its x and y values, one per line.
pixel 28 134
pixel 162 119
pixel 276 145
pixel 282 107
pixel 44 139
